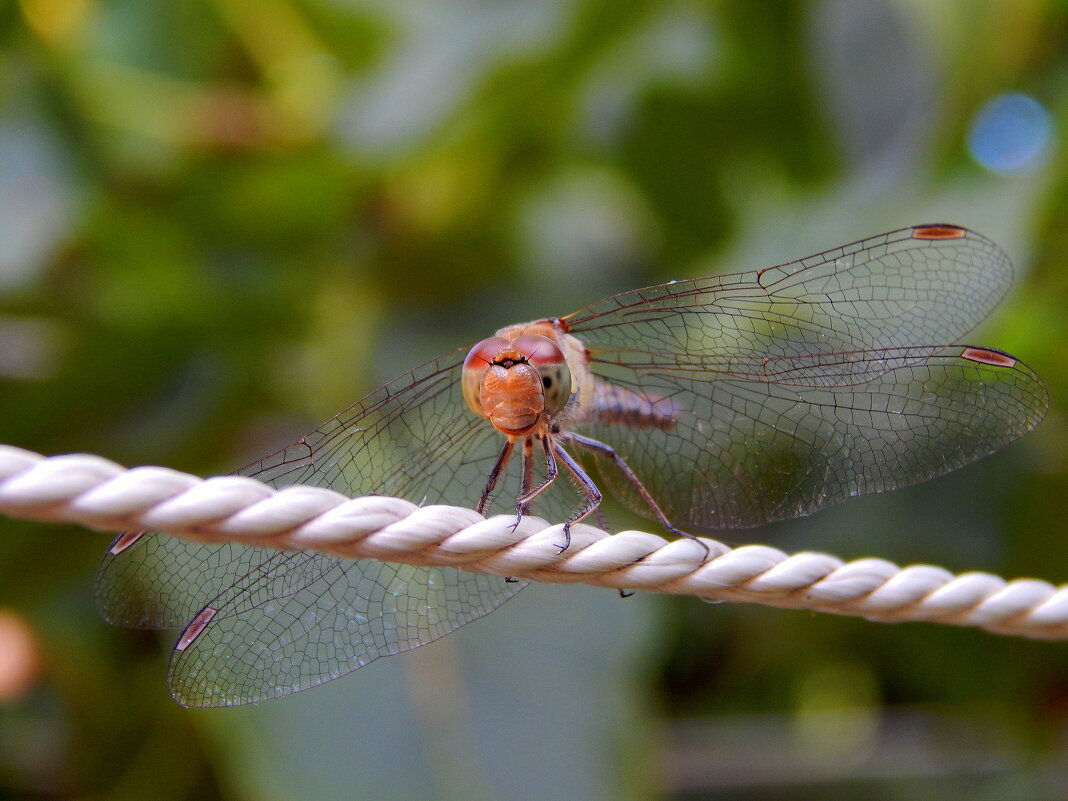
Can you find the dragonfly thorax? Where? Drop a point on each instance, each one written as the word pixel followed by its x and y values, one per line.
pixel 517 383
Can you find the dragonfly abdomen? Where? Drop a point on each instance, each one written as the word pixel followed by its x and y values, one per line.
pixel 616 405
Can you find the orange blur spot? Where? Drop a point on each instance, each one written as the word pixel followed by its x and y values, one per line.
pixel 939 232
pixel 20 658
pixel 58 22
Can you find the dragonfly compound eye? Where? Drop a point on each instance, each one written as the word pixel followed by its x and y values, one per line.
pixel 546 356
pixel 478 360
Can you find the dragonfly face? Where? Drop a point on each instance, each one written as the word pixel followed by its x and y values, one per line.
pixel 517 384
pixel 721 402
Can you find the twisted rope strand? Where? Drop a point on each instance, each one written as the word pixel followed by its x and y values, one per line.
pixel 100 494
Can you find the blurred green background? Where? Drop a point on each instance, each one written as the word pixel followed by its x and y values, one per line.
pixel 223 221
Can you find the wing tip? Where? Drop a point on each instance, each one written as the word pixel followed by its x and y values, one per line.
pixel 939 231
pixel 124 541
pixel 990 356
pixel 195 627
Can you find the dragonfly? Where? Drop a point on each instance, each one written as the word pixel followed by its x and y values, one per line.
pixel 722 402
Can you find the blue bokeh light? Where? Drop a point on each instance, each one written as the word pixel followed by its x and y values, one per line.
pixel 1011 133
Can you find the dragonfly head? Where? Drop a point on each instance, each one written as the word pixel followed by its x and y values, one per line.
pixel 515 383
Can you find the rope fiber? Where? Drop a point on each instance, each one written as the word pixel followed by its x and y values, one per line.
pixel 100 494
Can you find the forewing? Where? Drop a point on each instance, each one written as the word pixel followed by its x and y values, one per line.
pixel 921 285
pixel 160 581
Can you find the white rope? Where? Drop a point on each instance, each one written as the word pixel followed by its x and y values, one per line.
pixel 100 494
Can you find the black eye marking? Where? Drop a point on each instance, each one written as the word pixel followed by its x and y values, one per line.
pixel 546 382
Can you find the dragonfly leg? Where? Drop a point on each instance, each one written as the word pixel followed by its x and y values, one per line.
pixel 522 503
pixel 528 476
pixel 600 448
pixel 585 484
pixel 491 480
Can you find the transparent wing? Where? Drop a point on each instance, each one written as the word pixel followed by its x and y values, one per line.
pixel 290 620
pixel 927 284
pixel 270 635
pixel 796 387
pixel 793 435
